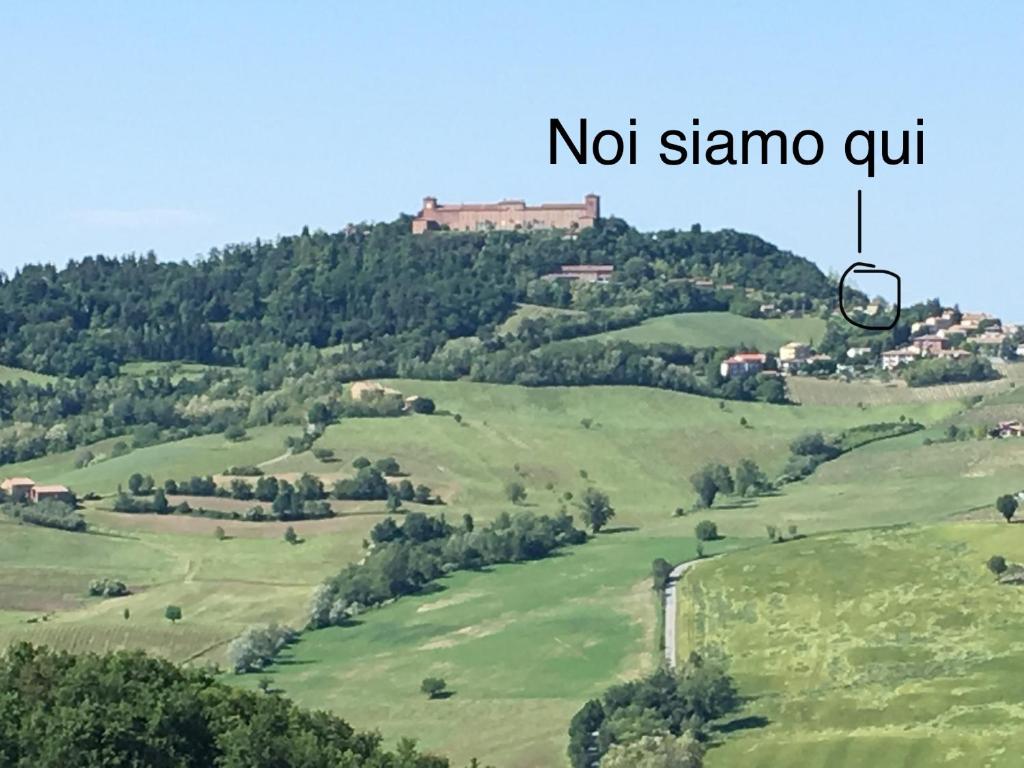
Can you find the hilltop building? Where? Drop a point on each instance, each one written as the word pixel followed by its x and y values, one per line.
pixel 506 215
pixel 17 488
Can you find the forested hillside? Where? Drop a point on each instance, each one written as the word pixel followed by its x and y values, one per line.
pixel 368 281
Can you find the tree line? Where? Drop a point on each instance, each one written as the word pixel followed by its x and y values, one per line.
pixel 407 556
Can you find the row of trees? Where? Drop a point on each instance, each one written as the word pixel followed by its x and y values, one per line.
pixel 407 556
pixel 714 479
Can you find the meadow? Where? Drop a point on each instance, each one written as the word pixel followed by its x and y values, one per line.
pixel 884 647
pixel 712 329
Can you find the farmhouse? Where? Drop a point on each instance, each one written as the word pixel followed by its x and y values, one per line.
pixel 743 364
pixel 794 351
pixel 51 492
pixel 584 273
pixel 17 488
pixel 506 215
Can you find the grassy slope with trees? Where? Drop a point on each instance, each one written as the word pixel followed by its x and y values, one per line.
pixel 886 647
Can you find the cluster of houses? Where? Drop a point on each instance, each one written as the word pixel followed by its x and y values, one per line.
pixel 373 390
pixel 25 489
pixel 792 358
pixel 942 336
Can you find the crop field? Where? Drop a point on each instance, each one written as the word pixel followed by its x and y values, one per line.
pixel 887 647
pixel 711 329
pixel 532 312
pixel 521 647
pixel 808 390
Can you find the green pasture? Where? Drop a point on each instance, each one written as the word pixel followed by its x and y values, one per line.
pixel 886 648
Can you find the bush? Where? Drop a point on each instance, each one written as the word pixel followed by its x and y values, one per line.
pixel 234 433
pixel 997 564
pixel 387 466
pixel 256 648
pixel 706 530
pixel 422 405
pixel 246 470
pixel 434 687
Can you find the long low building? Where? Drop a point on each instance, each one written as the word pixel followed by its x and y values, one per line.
pixel 506 215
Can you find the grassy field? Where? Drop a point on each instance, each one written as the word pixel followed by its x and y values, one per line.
pixel 710 329
pixel 522 647
pixel 532 312
pixel 641 447
pixel 222 586
pixel 10 375
pixel 887 648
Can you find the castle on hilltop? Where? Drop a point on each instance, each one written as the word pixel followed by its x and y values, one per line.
pixel 507 214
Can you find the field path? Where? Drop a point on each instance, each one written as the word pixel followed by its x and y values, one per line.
pixel 670 607
pixel 275 460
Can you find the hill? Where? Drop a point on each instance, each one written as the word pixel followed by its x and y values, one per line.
pixel 401 295
pixel 891 647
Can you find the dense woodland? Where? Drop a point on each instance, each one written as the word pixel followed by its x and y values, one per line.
pixel 126 709
pixel 326 289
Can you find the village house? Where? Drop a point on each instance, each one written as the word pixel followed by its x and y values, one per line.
pixel 506 215
pixel 584 273
pixel 51 493
pixel 894 358
pixel 932 344
pixel 17 488
pixel 743 364
pixel 794 350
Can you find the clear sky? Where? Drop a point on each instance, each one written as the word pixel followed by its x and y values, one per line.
pixel 179 127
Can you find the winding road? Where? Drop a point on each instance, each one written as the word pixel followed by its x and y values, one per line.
pixel 670 607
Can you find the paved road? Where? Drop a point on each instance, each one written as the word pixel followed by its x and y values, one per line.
pixel 670 608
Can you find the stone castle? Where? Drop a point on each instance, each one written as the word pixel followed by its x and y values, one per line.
pixel 507 214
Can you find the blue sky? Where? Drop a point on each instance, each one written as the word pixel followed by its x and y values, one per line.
pixel 129 127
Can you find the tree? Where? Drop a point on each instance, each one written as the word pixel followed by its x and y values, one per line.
pixel 706 530
pixel 324 454
pixel 656 751
pixel 290 535
pixel 172 613
pixel 723 478
pixel 422 405
pixel 750 480
pixel 135 484
pixel 1007 506
pixel 661 569
pixel 127 614
pixel 234 433
pixel 360 461
pixel 515 491
pixel 160 505
pixel 387 466
pixel 997 564
pixel 597 510
pixel 393 503
pixel 219 534
pixel 704 484
pixel 434 687
pixel 700 549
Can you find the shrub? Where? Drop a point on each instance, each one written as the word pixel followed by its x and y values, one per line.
pixel 433 687
pixel 706 530
pixel 997 564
